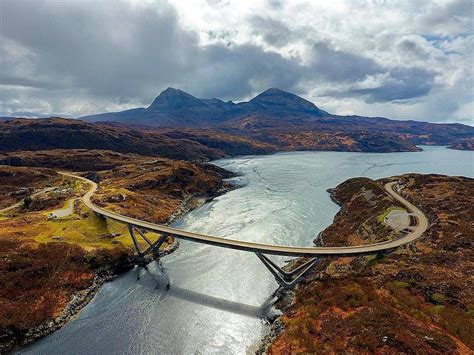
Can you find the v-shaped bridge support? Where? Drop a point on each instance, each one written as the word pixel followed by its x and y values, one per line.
pixel 151 246
pixel 287 279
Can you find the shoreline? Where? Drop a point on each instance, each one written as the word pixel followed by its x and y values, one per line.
pixel 382 273
pixel 82 298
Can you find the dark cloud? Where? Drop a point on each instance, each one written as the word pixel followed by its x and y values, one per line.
pixel 114 51
pixel 449 16
pixel 12 80
pixel 119 52
pixel 410 47
pixel 237 71
pixel 125 52
pixel 402 84
pixel 335 65
pixel 273 32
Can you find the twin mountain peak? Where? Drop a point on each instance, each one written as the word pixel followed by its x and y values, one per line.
pixel 273 97
pixel 176 107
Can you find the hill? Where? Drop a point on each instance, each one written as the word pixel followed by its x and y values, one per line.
pixel 418 299
pixel 277 109
pixel 59 133
pixel 196 144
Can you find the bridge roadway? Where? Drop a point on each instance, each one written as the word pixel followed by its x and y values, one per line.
pixel 311 252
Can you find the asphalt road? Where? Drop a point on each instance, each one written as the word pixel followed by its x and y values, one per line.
pixel 421 227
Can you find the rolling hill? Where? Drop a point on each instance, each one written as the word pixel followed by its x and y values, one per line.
pixel 275 112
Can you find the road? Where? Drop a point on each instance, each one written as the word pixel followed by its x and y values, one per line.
pixel 19 203
pixel 369 249
pixel 67 210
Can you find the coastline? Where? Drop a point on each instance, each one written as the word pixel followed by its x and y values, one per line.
pixel 312 302
pixel 108 273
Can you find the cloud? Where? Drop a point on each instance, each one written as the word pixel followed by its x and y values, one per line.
pixel 114 51
pixel 399 85
pixel 82 57
pixel 338 65
pixel 272 31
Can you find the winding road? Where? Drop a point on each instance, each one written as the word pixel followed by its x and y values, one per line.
pixel 420 228
pixel 19 203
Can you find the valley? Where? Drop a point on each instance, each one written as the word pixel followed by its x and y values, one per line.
pixel 136 187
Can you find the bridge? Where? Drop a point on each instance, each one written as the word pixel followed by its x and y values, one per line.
pixel 288 279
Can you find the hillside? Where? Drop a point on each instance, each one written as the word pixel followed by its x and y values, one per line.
pixel 51 267
pixel 419 299
pixel 59 133
pixel 195 144
pixel 276 109
pixel 463 144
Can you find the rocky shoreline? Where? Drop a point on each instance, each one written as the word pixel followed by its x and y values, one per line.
pixel 81 299
pixel 106 274
pixel 284 299
pixel 78 301
pixel 412 300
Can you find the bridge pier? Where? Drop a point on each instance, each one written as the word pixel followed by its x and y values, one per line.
pixel 286 279
pixel 100 216
pixel 151 246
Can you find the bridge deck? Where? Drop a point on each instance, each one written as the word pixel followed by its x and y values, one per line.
pixel 312 252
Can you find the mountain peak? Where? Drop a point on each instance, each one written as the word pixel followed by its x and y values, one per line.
pixel 277 99
pixel 275 90
pixel 171 91
pixel 172 98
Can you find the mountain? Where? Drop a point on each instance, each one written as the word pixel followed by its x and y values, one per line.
pixel 175 100
pixel 284 119
pixel 282 103
pixel 176 108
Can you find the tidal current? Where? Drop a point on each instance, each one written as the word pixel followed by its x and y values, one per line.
pixel 203 299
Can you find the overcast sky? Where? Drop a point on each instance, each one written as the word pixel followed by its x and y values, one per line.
pixel 407 59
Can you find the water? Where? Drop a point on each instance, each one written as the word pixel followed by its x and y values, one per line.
pixel 217 298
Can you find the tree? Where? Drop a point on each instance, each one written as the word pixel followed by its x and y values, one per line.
pixel 27 202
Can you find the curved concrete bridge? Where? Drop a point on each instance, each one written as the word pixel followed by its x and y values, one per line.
pixel 136 225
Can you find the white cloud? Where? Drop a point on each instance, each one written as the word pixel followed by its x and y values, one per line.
pixel 402 59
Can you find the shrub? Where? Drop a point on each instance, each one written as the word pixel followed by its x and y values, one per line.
pixel 438 298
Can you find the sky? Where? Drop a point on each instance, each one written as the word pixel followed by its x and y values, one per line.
pixel 403 59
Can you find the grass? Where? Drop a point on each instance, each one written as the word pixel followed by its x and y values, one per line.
pixel 438 298
pixel 88 232
pixel 82 227
pixel 401 284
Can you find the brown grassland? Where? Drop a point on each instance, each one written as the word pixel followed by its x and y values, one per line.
pixel 416 300
pixel 45 261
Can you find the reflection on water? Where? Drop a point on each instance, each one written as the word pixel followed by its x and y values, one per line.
pixel 203 299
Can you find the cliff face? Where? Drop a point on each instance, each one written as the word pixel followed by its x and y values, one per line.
pixel 418 299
